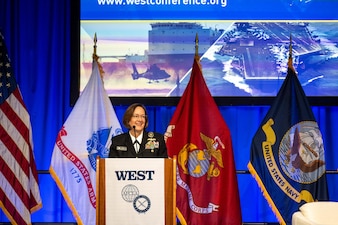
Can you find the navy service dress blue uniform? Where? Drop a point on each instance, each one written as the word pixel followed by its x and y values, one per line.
pixel 152 146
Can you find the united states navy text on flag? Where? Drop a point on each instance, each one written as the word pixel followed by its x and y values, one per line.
pixel 287 152
pixel 85 135
pixel 19 189
pixel 207 190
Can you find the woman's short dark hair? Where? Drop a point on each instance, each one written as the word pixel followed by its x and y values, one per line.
pixel 130 112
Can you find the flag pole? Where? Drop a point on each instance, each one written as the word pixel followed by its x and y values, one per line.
pixel 196 47
pixel 96 57
pixel 290 64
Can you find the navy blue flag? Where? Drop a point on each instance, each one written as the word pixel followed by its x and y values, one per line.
pixel 287 152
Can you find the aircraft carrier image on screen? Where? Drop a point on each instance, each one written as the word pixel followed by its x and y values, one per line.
pixel 238 58
pixel 250 59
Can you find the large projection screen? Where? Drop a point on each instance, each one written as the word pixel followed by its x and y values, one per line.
pixel 146 47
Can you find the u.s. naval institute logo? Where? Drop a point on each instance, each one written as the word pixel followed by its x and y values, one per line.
pixel 141 203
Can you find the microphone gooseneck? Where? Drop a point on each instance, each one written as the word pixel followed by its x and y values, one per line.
pixel 134 129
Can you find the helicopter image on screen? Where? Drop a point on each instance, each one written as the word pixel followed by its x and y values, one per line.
pixel 153 74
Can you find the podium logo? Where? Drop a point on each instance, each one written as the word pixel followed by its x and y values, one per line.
pixel 134 175
pixel 141 203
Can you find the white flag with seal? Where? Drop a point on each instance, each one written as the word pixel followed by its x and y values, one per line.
pixel 85 135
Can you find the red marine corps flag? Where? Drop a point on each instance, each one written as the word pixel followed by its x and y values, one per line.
pixel 207 190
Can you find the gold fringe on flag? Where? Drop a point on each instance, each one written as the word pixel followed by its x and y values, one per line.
pixel 266 194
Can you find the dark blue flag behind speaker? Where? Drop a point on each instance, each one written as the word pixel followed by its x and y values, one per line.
pixel 287 152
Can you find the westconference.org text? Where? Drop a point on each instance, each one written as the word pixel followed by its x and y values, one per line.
pixel 222 3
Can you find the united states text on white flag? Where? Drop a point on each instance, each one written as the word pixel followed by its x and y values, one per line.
pixel 85 135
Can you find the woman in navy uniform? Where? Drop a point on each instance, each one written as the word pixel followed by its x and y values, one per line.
pixel 137 142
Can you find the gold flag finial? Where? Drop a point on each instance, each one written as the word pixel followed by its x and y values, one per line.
pixel 290 60
pixel 95 57
pixel 196 46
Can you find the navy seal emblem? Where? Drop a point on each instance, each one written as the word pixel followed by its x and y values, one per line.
pixel 141 203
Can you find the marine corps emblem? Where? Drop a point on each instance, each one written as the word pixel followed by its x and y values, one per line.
pixel 202 161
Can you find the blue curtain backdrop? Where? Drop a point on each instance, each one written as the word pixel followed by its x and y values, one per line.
pixel 37 34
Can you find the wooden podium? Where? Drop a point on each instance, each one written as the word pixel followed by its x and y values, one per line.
pixel 137 189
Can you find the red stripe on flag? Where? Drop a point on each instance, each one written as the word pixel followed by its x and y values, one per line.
pixel 11 177
pixel 10 209
pixel 14 150
pixel 18 96
pixel 15 183
pixel 9 110
pixel 33 202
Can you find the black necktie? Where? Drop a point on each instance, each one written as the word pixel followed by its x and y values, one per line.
pixel 136 146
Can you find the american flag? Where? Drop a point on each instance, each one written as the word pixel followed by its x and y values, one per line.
pixel 19 189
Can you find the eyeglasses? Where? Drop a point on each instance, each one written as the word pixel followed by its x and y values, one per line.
pixel 140 116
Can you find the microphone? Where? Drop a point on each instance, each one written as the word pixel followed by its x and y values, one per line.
pixel 134 129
